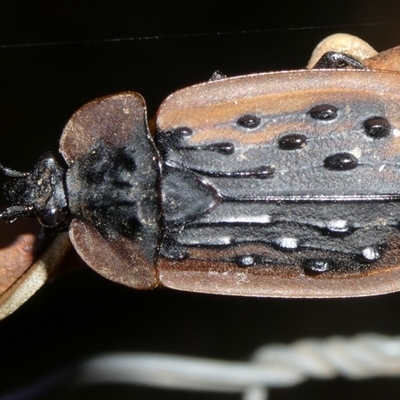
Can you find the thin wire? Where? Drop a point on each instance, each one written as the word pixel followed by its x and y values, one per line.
pixel 189 35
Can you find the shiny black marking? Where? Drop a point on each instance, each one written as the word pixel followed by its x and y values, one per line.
pixel 318 266
pixel 183 131
pixel 249 121
pixel 323 112
pixel 171 139
pixel 225 148
pixel 335 60
pixel 294 232
pixel 292 142
pixel 377 127
pixel 341 162
pixel 102 190
pixel 263 172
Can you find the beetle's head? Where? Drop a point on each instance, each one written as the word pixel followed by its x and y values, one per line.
pixel 39 194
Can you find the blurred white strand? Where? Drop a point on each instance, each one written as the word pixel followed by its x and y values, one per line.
pixel 272 366
pixel 179 372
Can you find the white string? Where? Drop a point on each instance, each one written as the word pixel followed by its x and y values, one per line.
pixel 361 357
pixel 272 366
pixel 180 372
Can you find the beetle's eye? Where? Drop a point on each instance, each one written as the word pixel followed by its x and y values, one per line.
pixel 341 162
pixel 49 217
pixel 377 127
pixel 323 112
pixel 249 121
pixel 292 142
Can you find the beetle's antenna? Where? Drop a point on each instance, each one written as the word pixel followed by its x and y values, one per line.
pixel 12 173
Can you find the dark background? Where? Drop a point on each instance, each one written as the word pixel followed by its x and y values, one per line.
pixel 57 55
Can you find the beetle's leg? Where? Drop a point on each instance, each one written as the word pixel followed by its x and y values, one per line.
pixel 334 60
pixel 12 173
pixel 11 213
pixel 342 43
pixel 217 75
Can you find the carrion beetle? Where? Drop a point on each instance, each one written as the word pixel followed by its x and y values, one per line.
pixel 277 184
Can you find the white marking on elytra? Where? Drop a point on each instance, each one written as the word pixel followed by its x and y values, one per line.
pixel 396 132
pixel 356 152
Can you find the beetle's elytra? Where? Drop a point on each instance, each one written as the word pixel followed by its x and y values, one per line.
pixel 275 184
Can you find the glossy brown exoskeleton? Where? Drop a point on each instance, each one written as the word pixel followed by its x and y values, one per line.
pixel 275 184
